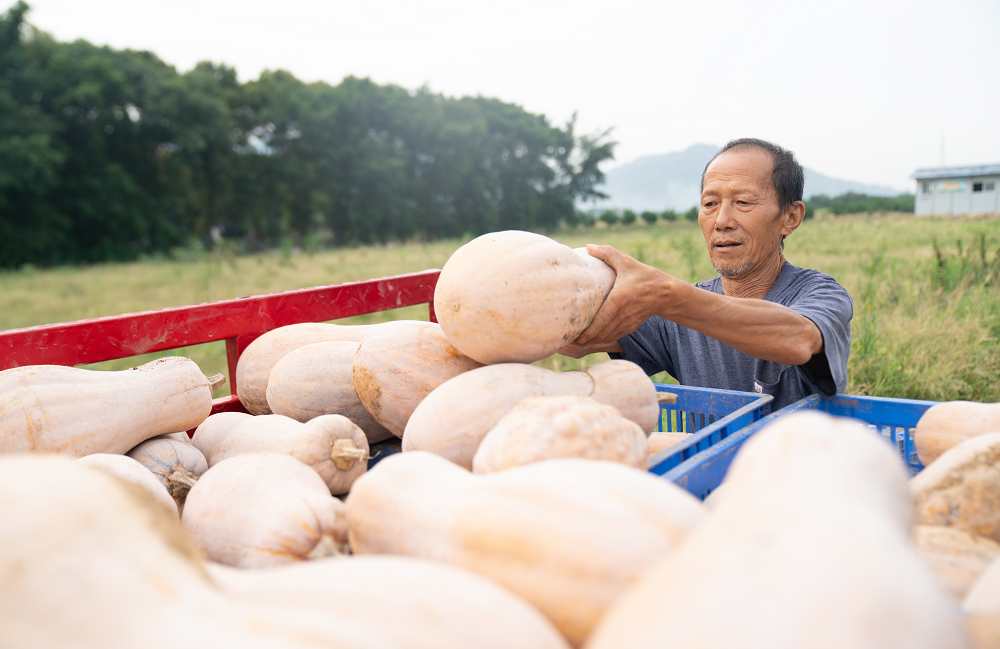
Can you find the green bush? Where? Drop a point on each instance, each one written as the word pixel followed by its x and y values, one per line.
pixel 649 217
pixel 609 216
pixel 628 217
pixel 692 214
pixel 668 215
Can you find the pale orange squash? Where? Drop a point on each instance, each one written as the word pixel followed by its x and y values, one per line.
pixel 55 409
pixel 659 442
pixel 949 423
pixel 957 558
pixel 263 509
pixel 962 488
pixel 92 561
pixel 434 605
pixel 399 364
pixel 215 428
pixel 260 356
pixel 808 548
pixel 130 470
pixel 316 380
pixel 177 465
pixel 515 296
pixel 545 428
pixel 569 536
pixel 329 444
pixel 453 419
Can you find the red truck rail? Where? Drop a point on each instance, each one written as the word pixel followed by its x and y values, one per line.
pixel 237 321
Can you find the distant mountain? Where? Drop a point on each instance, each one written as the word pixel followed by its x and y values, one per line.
pixel 673 181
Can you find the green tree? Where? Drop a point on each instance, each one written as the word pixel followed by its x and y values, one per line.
pixel 650 217
pixel 692 214
pixel 628 217
pixel 668 215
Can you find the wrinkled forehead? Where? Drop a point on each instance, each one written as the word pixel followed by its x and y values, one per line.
pixel 742 169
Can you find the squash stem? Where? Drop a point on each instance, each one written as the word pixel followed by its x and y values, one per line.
pixel 328 547
pixel 344 454
pixel 181 477
pixel 666 397
pixel 216 382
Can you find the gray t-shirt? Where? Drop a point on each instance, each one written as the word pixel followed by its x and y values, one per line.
pixel 692 358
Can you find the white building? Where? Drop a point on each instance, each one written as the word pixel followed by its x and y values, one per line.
pixel 958 190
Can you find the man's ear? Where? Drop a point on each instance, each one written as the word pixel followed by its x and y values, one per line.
pixel 793 218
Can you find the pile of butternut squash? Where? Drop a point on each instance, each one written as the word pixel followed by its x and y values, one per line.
pixel 520 513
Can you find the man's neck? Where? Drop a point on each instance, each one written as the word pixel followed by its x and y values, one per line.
pixel 756 283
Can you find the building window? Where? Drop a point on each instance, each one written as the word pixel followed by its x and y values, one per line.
pixel 989 187
pixel 925 187
pixel 977 187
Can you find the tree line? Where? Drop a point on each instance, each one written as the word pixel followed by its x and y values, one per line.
pixel 108 155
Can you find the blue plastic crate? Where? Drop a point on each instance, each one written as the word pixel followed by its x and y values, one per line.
pixel 710 415
pixel 894 419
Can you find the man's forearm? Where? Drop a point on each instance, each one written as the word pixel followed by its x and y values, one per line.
pixel 757 328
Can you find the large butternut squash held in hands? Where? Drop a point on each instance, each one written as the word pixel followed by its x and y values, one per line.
pixel 453 419
pixel 55 409
pixel 569 536
pixel 518 297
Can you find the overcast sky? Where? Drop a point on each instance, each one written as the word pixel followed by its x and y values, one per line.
pixel 859 90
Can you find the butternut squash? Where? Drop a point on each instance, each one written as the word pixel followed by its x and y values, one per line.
pixel 215 428
pixel 955 557
pixel 453 419
pixel 433 605
pixel 949 423
pixel 982 609
pixel 962 488
pixel 128 469
pixel 259 357
pixel 518 297
pixel 659 442
pixel 263 509
pixel 398 365
pixel 984 596
pixel 809 548
pixel 316 380
pixel 545 428
pixel 331 445
pixel 569 536
pixel 91 561
pixel 177 465
pixel 55 409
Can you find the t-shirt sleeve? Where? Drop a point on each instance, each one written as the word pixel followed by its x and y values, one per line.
pixel 830 307
pixel 648 347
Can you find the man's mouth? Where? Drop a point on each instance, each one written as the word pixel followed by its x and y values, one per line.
pixel 727 244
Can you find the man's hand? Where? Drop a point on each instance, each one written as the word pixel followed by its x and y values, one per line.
pixel 639 292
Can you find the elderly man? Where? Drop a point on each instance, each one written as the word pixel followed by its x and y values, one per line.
pixel 762 325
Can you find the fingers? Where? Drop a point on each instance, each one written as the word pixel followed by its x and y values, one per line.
pixel 605 316
pixel 607 254
pixel 573 350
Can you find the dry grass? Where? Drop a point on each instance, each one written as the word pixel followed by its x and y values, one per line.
pixel 911 337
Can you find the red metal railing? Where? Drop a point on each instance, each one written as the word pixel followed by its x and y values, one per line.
pixel 238 321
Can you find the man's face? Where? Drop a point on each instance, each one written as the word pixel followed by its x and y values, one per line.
pixel 739 213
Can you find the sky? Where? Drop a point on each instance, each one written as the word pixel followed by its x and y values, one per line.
pixel 865 91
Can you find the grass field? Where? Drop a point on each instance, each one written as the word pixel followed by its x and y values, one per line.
pixel 926 291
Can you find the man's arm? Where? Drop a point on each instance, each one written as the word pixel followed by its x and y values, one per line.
pixel 757 328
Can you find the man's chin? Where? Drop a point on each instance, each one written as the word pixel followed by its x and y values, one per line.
pixel 731 270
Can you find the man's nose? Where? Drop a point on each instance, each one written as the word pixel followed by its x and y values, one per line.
pixel 725 220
